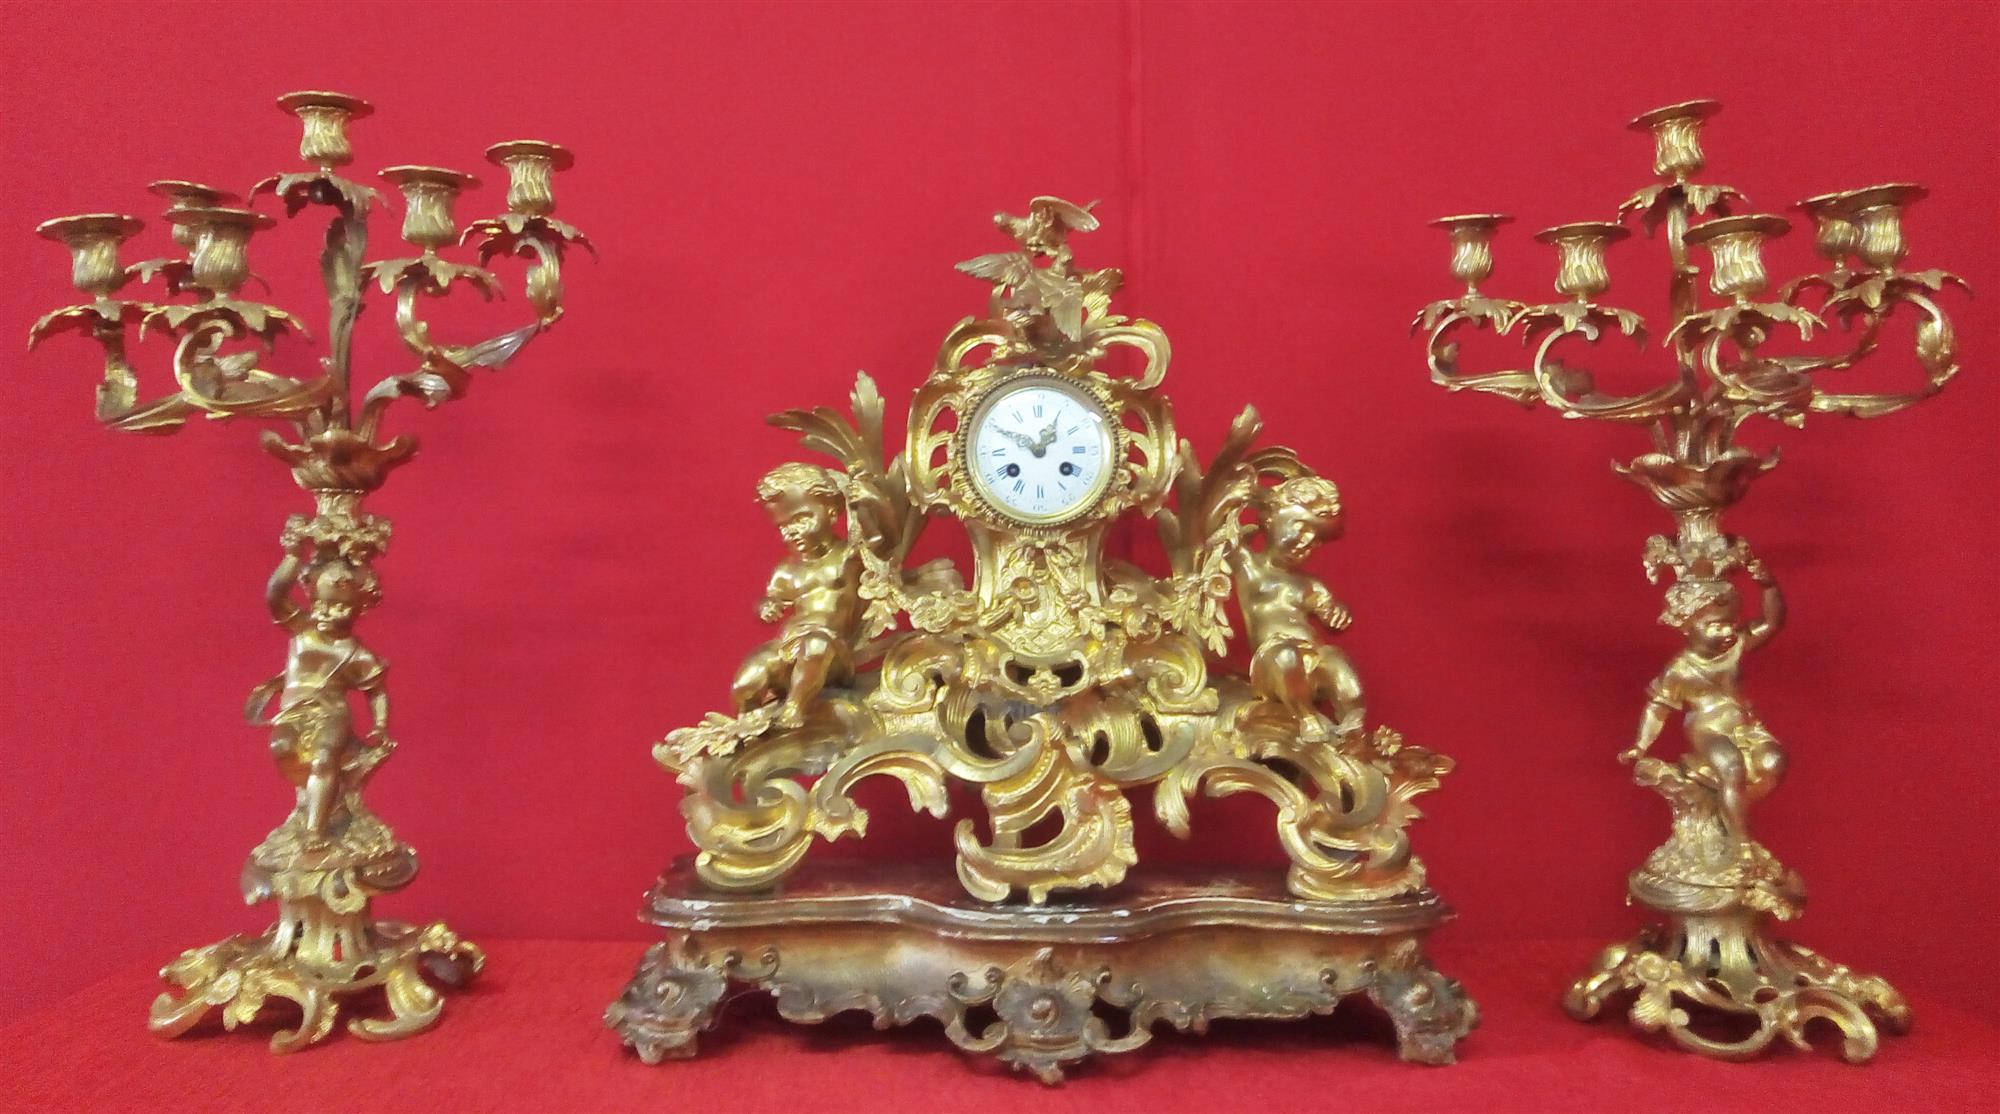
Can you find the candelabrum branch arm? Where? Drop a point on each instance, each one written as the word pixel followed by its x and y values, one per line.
pixel 1476 311
pixel 445 370
pixel 1572 391
pixel 118 405
pixel 1873 299
pixel 1864 346
pixel 212 382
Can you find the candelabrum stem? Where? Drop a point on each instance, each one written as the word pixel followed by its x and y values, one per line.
pixel 340 263
pixel 331 857
pixel 1714 888
pixel 1683 292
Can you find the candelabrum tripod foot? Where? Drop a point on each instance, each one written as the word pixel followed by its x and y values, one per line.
pixel 313 958
pixel 1730 968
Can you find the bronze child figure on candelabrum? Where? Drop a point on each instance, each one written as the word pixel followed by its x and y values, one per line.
pixel 1729 751
pixel 313 736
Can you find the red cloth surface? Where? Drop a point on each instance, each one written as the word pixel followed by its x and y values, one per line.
pixel 526 1036
pixel 779 193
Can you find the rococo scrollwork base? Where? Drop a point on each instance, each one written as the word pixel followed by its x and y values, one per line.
pixel 240 975
pixel 1037 987
pixel 1715 980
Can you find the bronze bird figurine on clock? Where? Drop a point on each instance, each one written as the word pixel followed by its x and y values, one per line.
pixel 1055 682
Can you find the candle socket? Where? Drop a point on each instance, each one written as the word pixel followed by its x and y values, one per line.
pixel 189 195
pixel 1835 235
pixel 1736 245
pixel 324 117
pixel 1581 271
pixel 1878 212
pixel 428 194
pixel 531 165
pixel 1472 245
pixel 1677 137
pixel 93 240
pixel 220 258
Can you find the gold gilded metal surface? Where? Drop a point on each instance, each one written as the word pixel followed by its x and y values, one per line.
pixel 331 857
pixel 1041 988
pixel 1714 885
pixel 1059 679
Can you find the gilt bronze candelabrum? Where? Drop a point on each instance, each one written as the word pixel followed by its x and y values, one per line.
pixel 331 857
pixel 1715 888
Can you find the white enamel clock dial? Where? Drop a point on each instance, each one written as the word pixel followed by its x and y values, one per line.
pixel 1039 450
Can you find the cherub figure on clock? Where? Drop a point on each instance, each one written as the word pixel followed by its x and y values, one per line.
pixel 1290 664
pixel 818 586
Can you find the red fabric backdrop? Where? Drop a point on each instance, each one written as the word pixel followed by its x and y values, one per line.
pixel 779 193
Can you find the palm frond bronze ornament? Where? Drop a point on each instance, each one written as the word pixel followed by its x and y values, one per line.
pixel 1715 887
pixel 332 856
pixel 1053 685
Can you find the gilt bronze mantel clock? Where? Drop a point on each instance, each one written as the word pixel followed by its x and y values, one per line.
pixel 1057 682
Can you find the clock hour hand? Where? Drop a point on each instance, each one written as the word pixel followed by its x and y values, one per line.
pixel 1021 439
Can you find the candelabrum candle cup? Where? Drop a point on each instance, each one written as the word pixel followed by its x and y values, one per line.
pixel 220 258
pixel 428 193
pixel 189 195
pixel 1878 212
pixel 1677 137
pixel 325 116
pixel 1472 245
pixel 1736 244
pixel 1581 272
pixel 530 166
pixel 92 240
pixel 1835 235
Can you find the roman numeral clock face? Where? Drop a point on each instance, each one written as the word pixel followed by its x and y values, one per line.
pixel 1039 451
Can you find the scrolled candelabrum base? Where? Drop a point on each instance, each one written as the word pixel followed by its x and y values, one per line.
pixel 1730 966
pixel 313 957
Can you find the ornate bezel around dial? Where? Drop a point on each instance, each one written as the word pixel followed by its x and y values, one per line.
pixel 1111 476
